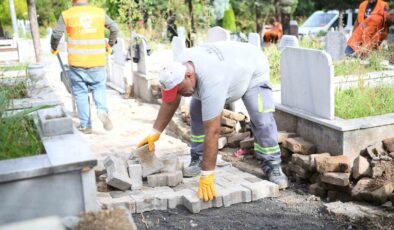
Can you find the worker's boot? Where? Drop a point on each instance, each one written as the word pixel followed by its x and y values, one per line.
pixel 194 168
pixel 275 174
pixel 104 118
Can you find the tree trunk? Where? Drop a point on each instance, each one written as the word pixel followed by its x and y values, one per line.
pixel 13 19
pixel 340 21
pixel 35 34
pixel 258 19
pixel 278 13
pixel 189 41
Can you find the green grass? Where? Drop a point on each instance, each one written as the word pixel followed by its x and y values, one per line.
pixel 364 101
pixel 14 91
pixel 310 43
pixel 15 67
pixel 273 55
pixel 352 66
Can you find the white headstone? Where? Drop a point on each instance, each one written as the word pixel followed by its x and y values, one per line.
pixel 178 46
pixel 142 63
pixel 119 52
pixel 217 33
pixel 307 81
pixel 254 38
pixel 335 44
pixel 288 41
pixel 181 31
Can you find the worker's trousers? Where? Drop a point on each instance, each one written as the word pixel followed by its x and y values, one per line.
pixel 259 103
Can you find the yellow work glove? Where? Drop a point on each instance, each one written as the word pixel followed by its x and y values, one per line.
pixel 153 136
pixel 54 52
pixel 108 49
pixel 206 188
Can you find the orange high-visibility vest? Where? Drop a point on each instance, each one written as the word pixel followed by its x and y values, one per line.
pixel 86 41
pixel 379 9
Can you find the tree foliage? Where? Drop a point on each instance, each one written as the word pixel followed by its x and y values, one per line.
pixel 229 20
pixel 20 9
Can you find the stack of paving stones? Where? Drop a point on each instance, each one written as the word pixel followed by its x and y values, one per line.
pixel 157 184
pixel 369 177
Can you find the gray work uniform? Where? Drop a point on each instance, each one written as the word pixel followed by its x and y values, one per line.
pixel 228 71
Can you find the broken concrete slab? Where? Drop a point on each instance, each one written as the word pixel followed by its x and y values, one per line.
pixel 170 179
pixel 361 168
pixel 299 145
pixel 376 150
pixel 228 122
pixel 362 191
pixel 117 175
pixel 234 140
pixel 332 164
pixel 222 142
pixel 55 122
pixel 150 163
pixel 283 136
pixel 313 159
pixel 339 179
pixel 233 116
pixel 302 160
pixel 389 144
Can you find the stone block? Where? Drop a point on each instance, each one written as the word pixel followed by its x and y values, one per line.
pixel 233 116
pixel 247 143
pixel 333 164
pixel 165 179
pixel 226 130
pixel 313 161
pixel 301 160
pixel 300 89
pixel 300 171
pixel 117 173
pixel 339 179
pixel 171 163
pixel 235 139
pixel 228 122
pixel 146 200
pixel 126 202
pixel 361 168
pixel 377 169
pixel 376 150
pixel 389 144
pixel 135 174
pixel 150 163
pixel 191 202
pixel 362 191
pixel 222 142
pixel 299 145
pixel 335 44
pixel 285 155
pixel 55 122
pixel 317 190
pixel 283 136
pixel 99 169
pixel 261 189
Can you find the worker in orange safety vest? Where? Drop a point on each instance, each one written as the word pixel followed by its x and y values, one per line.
pixel 370 29
pixel 87 54
pixel 274 33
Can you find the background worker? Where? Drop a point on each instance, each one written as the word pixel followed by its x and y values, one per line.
pixel 370 29
pixel 274 32
pixel 215 74
pixel 87 51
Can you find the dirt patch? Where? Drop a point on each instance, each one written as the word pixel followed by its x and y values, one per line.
pixel 247 163
pixel 103 220
pixel 387 177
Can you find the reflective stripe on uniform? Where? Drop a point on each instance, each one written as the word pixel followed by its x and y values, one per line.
pixel 86 42
pixel 266 150
pixel 260 105
pixel 86 51
pixel 197 138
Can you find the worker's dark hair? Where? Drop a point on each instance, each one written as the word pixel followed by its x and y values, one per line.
pixel 272 20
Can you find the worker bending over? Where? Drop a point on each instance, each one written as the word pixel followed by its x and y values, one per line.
pixel 370 29
pixel 215 74
pixel 274 33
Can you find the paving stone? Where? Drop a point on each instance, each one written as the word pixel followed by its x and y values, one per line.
pixel 299 145
pixel 228 122
pixel 283 136
pixel 126 202
pixel 340 179
pixel 235 139
pixel 171 163
pixel 117 173
pixel 191 202
pixel 147 201
pixel 247 143
pixel 150 163
pixel 237 193
pixel 361 168
pixel 333 164
pixel 222 142
pixel 389 144
pixel 232 115
pixel 317 190
pixel 301 160
pixel 99 169
pixel 165 179
pixel 261 189
pixel 313 161
pixel 104 201
pixel 215 203
pixel 135 174
pixel 362 191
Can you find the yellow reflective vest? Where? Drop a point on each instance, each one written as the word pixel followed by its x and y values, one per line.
pixel 85 31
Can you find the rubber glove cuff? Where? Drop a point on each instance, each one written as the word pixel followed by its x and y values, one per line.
pixel 54 52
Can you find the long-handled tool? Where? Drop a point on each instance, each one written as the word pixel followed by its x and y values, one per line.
pixel 67 82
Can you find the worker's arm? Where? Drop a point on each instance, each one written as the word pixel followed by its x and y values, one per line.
pixel 212 132
pixel 57 33
pixel 166 112
pixel 113 28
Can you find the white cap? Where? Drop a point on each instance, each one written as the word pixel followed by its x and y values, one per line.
pixel 171 75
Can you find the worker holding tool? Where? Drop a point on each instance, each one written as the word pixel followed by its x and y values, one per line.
pixel 371 27
pixel 215 74
pixel 87 51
